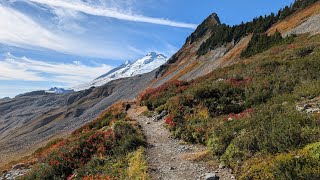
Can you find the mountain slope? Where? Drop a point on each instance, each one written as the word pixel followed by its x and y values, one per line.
pixel 28 122
pixel 144 65
pixel 260 116
pixel 188 64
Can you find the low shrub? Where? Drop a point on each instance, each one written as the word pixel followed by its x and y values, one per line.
pixel 300 164
pixel 97 151
pixel 154 97
pixel 247 111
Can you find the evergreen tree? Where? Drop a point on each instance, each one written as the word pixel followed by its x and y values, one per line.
pixel 222 34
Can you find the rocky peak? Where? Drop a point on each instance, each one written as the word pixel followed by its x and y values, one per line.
pixel 204 27
pixel 213 19
pixel 152 54
pixel 155 55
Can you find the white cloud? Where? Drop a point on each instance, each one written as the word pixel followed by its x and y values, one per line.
pixel 9 71
pixel 18 29
pixel 25 69
pixel 66 20
pixel 91 9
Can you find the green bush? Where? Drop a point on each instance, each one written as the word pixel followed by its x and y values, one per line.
pixel 262 42
pixel 219 97
pixel 272 129
pixel 223 134
pixel 41 172
pixel 301 164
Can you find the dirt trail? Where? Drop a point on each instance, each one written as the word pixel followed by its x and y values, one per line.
pixel 168 158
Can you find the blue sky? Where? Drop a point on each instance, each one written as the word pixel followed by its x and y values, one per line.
pixel 47 43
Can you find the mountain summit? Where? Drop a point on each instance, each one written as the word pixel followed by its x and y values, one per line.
pixel 146 64
pixel 204 27
pixel 56 90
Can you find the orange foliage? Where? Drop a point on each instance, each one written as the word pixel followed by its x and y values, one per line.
pixel 295 20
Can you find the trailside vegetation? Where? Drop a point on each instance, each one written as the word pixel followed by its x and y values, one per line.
pixel 246 113
pixel 108 148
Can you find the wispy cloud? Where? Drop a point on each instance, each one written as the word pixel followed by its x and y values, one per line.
pixel 25 69
pixel 66 20
pixel 91 9
pixel 20 30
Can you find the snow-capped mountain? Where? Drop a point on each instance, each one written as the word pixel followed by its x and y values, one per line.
pixel 144 65
pixel 56 90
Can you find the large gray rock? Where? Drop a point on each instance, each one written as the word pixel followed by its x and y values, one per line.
pixel 211 176
pixel 160 116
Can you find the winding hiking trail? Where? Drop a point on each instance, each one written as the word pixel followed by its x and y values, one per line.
pixel 168 158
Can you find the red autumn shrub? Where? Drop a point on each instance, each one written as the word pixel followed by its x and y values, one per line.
pixel 74 155
pixel 154 97
pixel 241 115
pixel 169 121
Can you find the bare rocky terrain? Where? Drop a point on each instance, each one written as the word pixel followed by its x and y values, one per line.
pixel 310 25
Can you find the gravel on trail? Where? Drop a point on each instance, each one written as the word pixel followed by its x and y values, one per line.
pixel 166 156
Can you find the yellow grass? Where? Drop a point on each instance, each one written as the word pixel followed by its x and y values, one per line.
pixel 138 168
pixel 196 156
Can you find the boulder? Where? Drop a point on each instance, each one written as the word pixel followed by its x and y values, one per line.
pixel 211 176
pixel 160 116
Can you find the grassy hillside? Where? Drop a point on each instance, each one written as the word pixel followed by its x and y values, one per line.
pixel 246 113
pixel 111 147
